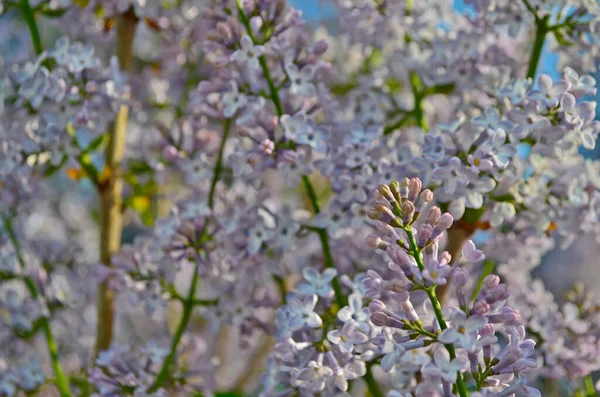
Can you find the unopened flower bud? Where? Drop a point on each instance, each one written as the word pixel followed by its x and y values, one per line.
pixel 433 215
pixel 386 192
pixel 267 146
pixel 414 188
pixel 375 242
pixel 424 234
pixel 480 307
pixel 446 221
pixel 379 319
pixel 399 257
pixel 395 188
pixel 488 330
pixel 491 281
pixel 408 212
pixel 393 322
pixel 510 316
pixel 320 47
pixel 376 306
pixel 500 293
pixel 460 277
pixel 404 188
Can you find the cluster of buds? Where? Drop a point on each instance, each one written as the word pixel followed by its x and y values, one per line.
pixel 400 204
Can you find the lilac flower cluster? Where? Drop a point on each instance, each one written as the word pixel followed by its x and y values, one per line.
pixel 186 187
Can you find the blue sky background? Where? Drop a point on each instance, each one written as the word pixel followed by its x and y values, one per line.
pixel 315 10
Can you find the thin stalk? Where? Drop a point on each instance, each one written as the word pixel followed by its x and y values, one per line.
pixel 590 389
pixel 541 29
pixel 274 95
pixel 190 301
pixel 61 381
pixel 110 190
pixel 437 308
pixel 457 236
pixel 372 385
pixel 188 308
pixel 29 16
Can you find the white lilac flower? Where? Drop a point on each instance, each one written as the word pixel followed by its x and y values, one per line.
pixel 299 128
pixel 549 93
pixel 443 367
pixel 355 312
pixel 464 330
pixel 436 272
pixel 451 175
pixel 301 80
pixel 576 114
pixel 347 337
pixel 318 283
pixel 471 254
pixel 433 148
pixel 353 188
pixel 256 236
pixel 501 212
pixel 490 120
pixel 315 376
pixel 478 162
pixel 248 52
pixel 525 121
pixel 233 100
pixel 497 148
pixel 302 313
pixel 391 350
pixel 584 85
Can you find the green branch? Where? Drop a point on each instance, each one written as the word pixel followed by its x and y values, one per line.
pixel 29 16
pixel 372 385
pixel 541 29
pixel 274 95
pixel 414 251
pixel 61 381
pixel 190 301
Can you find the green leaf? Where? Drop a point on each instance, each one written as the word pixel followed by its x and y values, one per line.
pixel 96 143
pixel 444 89
pixel 472 215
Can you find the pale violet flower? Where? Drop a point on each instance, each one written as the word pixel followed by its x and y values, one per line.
pixel 248 52
pixel 443 367
pixel 549 93
pixel 315 376
pixel 347 337
pixel 501 212
pixel 317 283
pixel 302 313
pixel 451 175
pixel 301 79
pixel 233 100
pixel 464 330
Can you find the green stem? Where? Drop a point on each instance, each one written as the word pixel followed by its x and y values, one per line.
pixel 541 29
pixel 188 308
pixel 29 16
pixel 61 380
pixel 219 164
pixel 417 88
pixel 372 384
pixel 590 389
pixel 262 60
pixel 462 389
pixel 488 268
pixel 190 301
pixel 274 95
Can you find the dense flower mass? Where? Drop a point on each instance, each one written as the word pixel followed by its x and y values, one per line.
pixel 217 198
